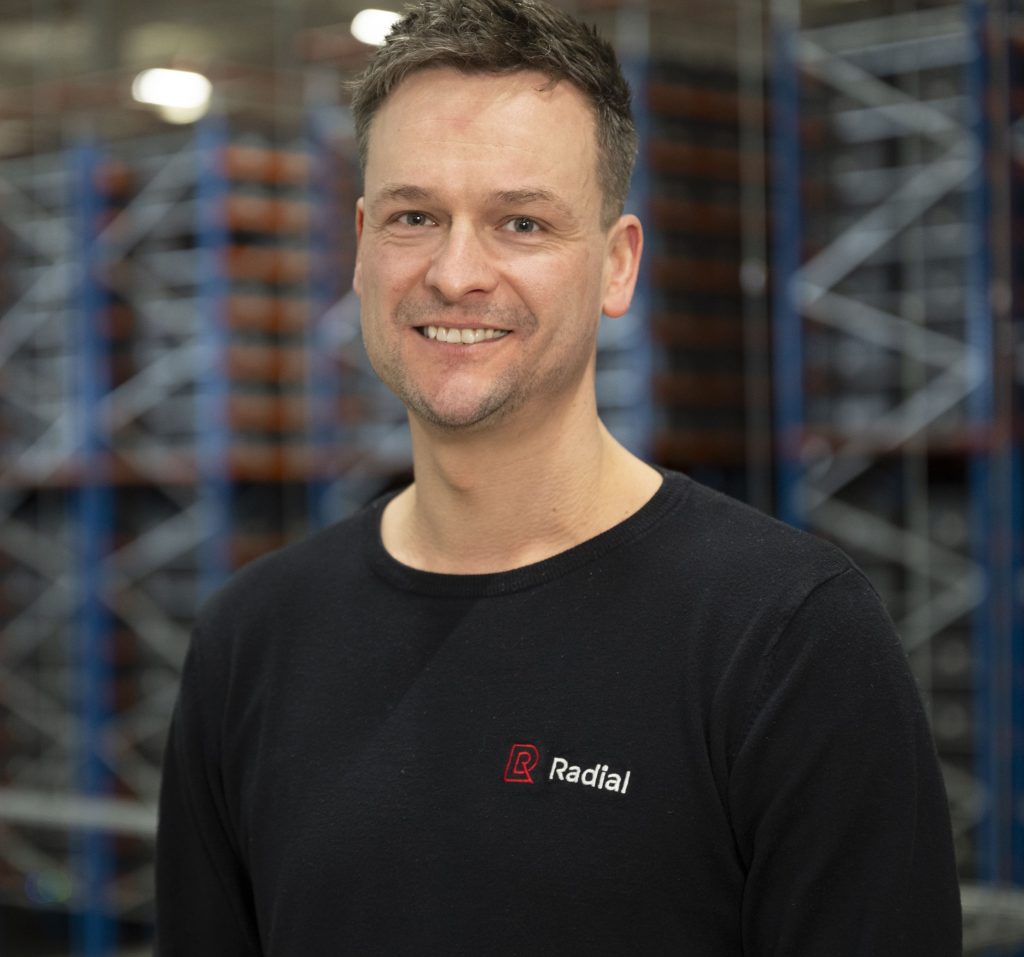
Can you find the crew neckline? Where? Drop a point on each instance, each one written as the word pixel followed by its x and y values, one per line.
pixel 670 494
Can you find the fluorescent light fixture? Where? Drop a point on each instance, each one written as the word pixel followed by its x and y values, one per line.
pixel 372 26
pixel 181 96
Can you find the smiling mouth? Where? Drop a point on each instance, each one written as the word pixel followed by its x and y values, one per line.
pixel 462 336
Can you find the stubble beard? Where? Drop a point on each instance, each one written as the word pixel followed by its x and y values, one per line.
pixel 506 393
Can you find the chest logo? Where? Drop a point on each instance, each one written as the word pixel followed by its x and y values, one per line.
pixel 522 759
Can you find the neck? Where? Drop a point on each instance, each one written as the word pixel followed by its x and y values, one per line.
pixel 505 498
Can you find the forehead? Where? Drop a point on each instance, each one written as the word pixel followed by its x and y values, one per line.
pixel 446 123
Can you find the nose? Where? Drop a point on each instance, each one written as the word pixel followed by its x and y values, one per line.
pixel 461 265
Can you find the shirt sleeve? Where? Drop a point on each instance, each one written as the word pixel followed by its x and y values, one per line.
pixel 203 897
pixel 835 793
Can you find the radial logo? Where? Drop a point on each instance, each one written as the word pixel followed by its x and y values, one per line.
pixel 522 759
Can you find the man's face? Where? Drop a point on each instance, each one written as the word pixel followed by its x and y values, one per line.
pixel 482 265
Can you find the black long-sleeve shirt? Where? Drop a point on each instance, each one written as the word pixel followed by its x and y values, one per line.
pixel 694 734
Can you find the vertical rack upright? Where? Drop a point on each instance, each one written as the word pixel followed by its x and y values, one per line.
pixel 997 471
pixel 211 406
pixel 787 208
pixel 94 513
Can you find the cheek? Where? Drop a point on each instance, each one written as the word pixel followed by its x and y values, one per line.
pixel 388 273
pixel 381 348
pixel 572 288
pixel 382 293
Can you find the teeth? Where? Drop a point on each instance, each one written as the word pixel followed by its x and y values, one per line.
pixel 464 336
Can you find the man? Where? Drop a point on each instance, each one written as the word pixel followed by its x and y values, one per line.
pixel 547 699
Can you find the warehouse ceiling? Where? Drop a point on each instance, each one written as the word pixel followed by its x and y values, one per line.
pixel 46 40
pixel 65 64
pixel 72 61
pixel 69 63
pixel 43 37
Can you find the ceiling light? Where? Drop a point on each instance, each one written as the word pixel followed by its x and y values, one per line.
pixel 372 26
pixel 180 95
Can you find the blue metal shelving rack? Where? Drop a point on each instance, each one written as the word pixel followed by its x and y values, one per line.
pixel 963 346
pixel 116 503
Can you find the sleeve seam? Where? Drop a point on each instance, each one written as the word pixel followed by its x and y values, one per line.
pixel 767 657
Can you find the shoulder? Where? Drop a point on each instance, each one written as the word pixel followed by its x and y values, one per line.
pixel 722 540
pixel 756 594
pixel 278 590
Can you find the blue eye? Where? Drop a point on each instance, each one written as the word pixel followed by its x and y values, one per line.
pixel 415 219
pixel 523 224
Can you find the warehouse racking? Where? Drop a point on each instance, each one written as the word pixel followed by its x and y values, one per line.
pixel 897 401
pixel 154 328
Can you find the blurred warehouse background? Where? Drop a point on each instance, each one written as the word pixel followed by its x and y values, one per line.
pixel 829 326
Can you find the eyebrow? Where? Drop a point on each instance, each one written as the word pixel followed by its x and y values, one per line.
pixel 525 197
pixel 400 191
pixel 507 197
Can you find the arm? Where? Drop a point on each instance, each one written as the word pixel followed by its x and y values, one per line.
pixel 204 903
pixel 837 801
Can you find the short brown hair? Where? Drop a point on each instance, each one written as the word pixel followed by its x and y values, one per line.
pixel 506 36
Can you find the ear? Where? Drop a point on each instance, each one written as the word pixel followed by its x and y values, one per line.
pixel 622 265
pixel 357 272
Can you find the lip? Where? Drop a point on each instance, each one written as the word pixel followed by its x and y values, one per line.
pixel 460 325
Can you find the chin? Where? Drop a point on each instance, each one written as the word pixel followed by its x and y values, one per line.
pixel 460 410
pixel 454 422
pixel 459 417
